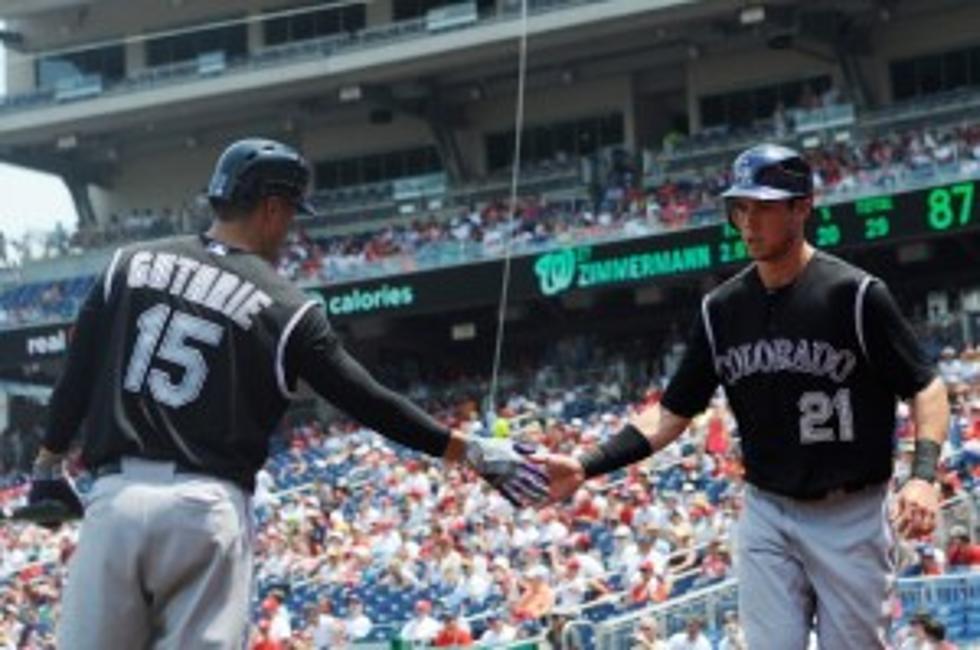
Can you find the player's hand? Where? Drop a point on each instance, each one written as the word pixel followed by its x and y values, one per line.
pixel 565 475
pixel 52 499
pixel 916 508
pixel 507 468
pixel 50 503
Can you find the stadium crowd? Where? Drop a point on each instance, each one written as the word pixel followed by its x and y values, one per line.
pixel 357 540
pixel 622 207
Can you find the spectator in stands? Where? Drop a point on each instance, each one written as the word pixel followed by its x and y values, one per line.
pixel 950 366
pixel 498 631
pixel 653 548
pixel 715 565
pixel 935 633
pixel 538 598
pixel 453 632
pixel 913 635
pixel 625 558
pixel 650 586
pixel 961 551
pixel 357 626
pixel 476 583
pixel 932 560
pixel 280 626
pixel 329 630
pixel 646 636
pixel 574 588
pixel 263 637
pixel 691 638
pixel 685 556
pixel 591 563
pixel 732 636
pixel 421 628
pixel 562 636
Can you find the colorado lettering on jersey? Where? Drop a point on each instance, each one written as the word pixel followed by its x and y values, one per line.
pixel 817 358
pixel 203 284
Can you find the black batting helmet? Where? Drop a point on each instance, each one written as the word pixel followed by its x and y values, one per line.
pixel 770 172
pixel 254 168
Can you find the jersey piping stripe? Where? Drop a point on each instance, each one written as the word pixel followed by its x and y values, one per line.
pixel 281 348
pixel 107 282
pixel 859 313
pixel 709 330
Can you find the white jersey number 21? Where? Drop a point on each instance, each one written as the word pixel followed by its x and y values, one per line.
pixel 817 409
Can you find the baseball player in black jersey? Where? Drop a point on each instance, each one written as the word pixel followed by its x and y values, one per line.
pixel 812 353
pixel 186 354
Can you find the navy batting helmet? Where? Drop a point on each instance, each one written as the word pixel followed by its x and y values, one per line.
pixel 770 172
pixel 255 168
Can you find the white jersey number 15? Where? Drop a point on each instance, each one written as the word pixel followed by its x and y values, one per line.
pixel 181 329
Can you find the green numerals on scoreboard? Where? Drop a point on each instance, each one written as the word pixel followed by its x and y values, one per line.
pixel 732 251
pixel 950 206
pixel 877 227
pixel 828 232
pixel 876 212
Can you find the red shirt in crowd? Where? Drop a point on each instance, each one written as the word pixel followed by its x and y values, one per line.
pixel 963 554
pixel 451 636
pixel 716 442
pixel 266 644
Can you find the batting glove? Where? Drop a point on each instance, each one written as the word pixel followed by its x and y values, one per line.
pixel 505 466
pixel 52 499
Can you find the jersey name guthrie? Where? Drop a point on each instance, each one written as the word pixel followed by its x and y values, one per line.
pixel 220 290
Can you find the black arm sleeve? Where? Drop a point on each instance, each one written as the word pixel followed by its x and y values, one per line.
pixel 314 353
pixel 892 347
pixel 695 380
pixel 71 396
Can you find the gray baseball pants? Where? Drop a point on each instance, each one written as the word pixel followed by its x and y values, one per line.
pixel 831 558
pixel 164 561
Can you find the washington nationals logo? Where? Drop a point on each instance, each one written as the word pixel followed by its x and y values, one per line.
pixel 556 271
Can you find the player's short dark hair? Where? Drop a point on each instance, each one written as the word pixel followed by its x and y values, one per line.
pixel 227 211
pixel 224 211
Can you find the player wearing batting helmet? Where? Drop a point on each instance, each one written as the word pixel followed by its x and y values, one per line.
pixel 812 353
pixel 186 354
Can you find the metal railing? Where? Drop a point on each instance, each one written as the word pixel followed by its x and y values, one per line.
pixel 933 594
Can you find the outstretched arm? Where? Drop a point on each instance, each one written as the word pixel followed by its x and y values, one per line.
pixel 650 430
pixel 647 433
pixel 320 359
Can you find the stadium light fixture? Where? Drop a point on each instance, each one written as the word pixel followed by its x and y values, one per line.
pixel 350 94
pixel 66 142
pixel 811 142
pixel 752 15
pixel 463 331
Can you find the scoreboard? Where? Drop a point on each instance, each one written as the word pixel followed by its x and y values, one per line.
pixel 877 219
pixel 939 210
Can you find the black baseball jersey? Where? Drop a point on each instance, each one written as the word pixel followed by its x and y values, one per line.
pixel 189 350
pixel 811 371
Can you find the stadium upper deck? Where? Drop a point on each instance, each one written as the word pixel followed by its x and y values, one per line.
pixel 130 101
